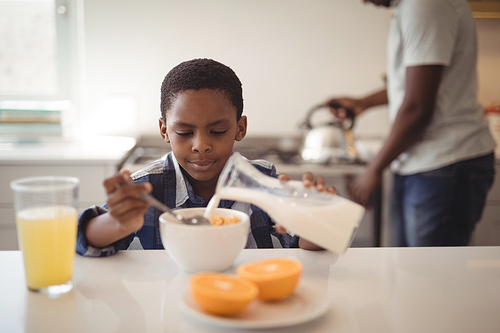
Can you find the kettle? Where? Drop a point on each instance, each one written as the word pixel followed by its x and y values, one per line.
pixel 331 142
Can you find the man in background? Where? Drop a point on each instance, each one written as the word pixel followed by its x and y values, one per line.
pixel 439 148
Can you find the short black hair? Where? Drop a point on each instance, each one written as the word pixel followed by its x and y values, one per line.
pixel 200 74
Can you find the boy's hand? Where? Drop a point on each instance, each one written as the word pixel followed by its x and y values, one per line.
pixel 308 181
pixel 123 202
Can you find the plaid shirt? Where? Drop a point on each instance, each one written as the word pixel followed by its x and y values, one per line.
pixel 171 187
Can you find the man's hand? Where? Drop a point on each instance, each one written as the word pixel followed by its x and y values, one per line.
pixel 362 188
pixel 339 106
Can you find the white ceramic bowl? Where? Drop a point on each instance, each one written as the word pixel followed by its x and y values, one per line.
pixel 204 248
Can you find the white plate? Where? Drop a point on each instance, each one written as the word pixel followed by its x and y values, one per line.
pixel 305 304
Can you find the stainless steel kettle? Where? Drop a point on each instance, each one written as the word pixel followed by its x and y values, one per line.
pixel 331 142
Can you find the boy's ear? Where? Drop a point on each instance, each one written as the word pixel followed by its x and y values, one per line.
pixel 242 128
pixel 163 130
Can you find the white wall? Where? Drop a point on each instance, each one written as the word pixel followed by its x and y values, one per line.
pixel 288 54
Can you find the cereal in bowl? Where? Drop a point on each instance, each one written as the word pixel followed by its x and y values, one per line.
pixel 223 220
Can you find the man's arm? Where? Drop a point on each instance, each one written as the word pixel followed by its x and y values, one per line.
pixel 339 106
pixel 415 113
pixel 375 99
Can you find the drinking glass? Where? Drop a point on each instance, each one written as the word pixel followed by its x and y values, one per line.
pixel 46 214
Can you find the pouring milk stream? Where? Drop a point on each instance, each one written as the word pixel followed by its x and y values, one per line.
pixel 327 220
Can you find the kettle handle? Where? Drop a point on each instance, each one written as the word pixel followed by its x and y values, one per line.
pixel 307 122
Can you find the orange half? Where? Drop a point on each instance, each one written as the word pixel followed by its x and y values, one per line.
pixel 276 278
pixel 222 294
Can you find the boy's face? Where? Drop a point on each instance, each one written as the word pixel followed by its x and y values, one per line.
pixel 201 128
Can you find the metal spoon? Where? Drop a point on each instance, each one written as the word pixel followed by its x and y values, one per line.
pixel 197 220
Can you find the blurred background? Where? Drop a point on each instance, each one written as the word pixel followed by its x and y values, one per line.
pixel 290 55
pixel 80 79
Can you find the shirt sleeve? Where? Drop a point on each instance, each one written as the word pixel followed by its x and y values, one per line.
pixel 429 30
pixel 82 246
pixel 287 240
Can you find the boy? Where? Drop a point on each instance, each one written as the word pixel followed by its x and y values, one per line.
pixel 201 117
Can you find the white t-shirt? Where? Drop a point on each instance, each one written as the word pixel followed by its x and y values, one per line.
pixel 438 32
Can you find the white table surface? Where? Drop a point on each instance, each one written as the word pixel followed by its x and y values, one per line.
pixel 370 290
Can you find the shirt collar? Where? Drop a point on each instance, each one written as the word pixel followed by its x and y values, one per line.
pixel 184 189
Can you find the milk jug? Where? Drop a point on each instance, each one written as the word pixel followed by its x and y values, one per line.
pixel 327 220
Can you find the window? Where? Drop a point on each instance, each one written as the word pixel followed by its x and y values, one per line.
pixel 38 64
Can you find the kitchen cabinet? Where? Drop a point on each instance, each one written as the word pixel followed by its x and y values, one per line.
pixel 487 232
pixel 91 160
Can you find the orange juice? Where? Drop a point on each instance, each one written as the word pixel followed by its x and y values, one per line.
pixel 47 236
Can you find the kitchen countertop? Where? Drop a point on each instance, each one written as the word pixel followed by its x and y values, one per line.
pixel 84 150
pixel 333 170
pixel 432 289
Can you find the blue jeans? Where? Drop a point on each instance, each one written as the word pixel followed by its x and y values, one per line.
pixel 442 206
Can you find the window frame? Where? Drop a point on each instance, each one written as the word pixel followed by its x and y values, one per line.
pixel 69 36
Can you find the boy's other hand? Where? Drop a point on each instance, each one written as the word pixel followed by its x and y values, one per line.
pixel 308 181
pixel 319 183
pixel 123 202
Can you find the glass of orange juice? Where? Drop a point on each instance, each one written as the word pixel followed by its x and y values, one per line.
pixel 46 214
